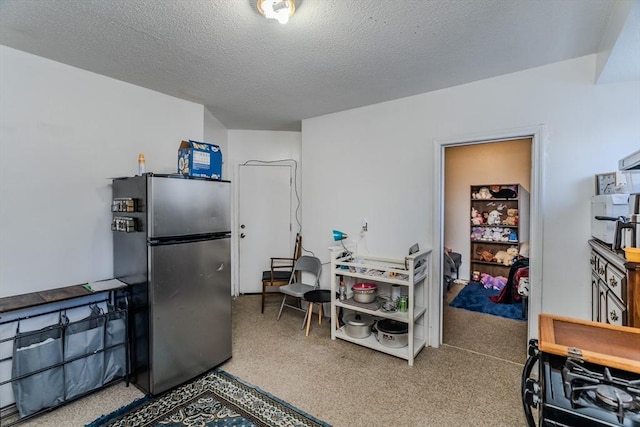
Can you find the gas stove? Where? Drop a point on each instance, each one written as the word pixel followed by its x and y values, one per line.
pixel 583 394
pixel 572 391
pixel 599 386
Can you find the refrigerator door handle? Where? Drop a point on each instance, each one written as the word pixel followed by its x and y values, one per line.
pixel 159 241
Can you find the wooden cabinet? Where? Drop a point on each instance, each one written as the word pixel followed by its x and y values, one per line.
pixel 412 274
pixel 499 225
pixel 615 287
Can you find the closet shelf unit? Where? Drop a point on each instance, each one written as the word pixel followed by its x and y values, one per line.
pixel 494 234
pixel 412 273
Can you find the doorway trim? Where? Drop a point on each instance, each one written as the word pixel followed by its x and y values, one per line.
pixel 538 142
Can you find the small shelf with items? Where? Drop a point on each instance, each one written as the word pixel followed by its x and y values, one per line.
pixel 499 225
pixel 408 276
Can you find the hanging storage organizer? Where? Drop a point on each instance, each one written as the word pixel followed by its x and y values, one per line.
pixel 83 373
pixel 37 369
pixel 61 362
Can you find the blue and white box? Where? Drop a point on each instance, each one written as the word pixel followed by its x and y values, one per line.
pixel 200 159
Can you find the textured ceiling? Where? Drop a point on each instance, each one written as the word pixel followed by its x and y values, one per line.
pixel 333 55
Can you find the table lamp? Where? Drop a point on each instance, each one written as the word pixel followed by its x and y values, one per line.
pixel 339 235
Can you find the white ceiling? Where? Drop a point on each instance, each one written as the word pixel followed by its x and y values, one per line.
pixel 333 55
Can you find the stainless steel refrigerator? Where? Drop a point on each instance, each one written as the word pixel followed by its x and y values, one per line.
pixel 171 243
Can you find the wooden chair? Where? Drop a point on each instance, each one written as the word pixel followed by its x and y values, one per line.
pixel 280 270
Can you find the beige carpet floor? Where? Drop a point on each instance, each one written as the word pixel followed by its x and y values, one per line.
pixel 472 380
pixel 490 335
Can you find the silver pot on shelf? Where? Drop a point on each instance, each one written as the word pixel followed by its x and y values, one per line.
pixel 391 333
pixel 358 325
pixel 364 292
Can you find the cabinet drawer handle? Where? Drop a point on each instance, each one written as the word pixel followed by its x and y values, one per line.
pixel 601 270
pixel 613 282
pixel 613 315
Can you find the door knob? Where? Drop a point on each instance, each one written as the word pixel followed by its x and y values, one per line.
pixel 242 235
pixel 242 226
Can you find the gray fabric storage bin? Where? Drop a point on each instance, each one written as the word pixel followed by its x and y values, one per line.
pixel 115 359
pixel 33 351
pixel 81 338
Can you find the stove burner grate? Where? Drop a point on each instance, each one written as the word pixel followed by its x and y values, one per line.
pixel 587 387
pixel 613 396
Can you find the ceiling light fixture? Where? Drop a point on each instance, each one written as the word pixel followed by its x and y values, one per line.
pixel 280 10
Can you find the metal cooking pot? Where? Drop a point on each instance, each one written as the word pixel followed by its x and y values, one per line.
pixel 364 292
pixel 358 325
pixel 392 333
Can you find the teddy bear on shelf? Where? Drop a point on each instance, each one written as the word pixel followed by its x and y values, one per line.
pixel 513 252
pixel 483 254
pixel 506 257
pixel 512 217
pixel 476 217
pixel 499 257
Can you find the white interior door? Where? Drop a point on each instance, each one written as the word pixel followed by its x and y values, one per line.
pixel 264 221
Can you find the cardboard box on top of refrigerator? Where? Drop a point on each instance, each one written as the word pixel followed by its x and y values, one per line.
pixel 200 159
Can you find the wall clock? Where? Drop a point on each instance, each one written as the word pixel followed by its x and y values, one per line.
pixel 605 183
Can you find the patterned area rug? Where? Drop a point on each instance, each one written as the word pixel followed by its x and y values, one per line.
pixel 215 399
pixel 475 297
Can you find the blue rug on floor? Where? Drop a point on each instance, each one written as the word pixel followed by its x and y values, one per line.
pixel 474 297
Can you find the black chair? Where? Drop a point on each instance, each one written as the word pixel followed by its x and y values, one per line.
pixel 452 262
pixel 317 296
pixel 280 270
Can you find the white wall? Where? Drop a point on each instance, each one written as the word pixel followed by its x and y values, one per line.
pixel 63 133
pixel 216 133
pixel 377 162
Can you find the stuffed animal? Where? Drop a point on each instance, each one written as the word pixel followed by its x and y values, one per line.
pixel 506 257
pixel 499 257
pixel 476 233
pixel 512 217
pixel 499 282
pixel 476 218
pixel 494 218
pixel 486 280
pixel 487 234
pixel 497 234
pixel 483 255
pixel 513 251
pixel 524 250
pixel 490 282
pixel 502 193
pixel 484 193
